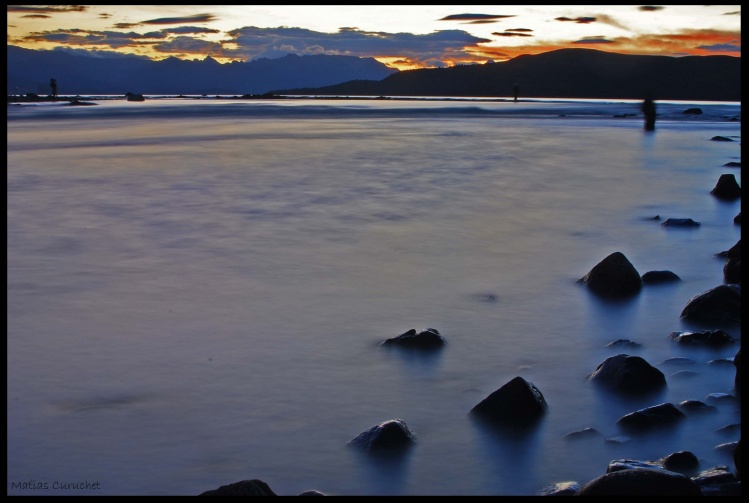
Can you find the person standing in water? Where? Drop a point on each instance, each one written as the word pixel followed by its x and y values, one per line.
pixel 516 91
pixel 648 108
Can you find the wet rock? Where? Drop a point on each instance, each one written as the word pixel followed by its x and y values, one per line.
pixel 718 481
pixel 696 407
pixel 737 219
pixel 560 489
pixel 718 306
pixel 628 374
pixel 732 266
pixel 720 138
pixel 624 342
pixel 312 493
pixel 425 339
pixel 614 276
pixel 134 97
pixel 517 403
pixel 252 487
pixel 680 222
pixel 682 462
pixel 584 433
pixel 649 418
pixel 390 435
pixel 693 111
pixel 653 277
pixel 712 338
pixel 641 482
pixel 727 188
pixel 732 164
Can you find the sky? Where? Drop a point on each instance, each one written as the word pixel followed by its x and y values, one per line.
pixel 401 36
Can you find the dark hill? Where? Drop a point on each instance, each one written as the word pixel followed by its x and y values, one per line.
pixel 29 71
pixel 565 73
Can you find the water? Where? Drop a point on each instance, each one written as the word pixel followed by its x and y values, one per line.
pixel 197 289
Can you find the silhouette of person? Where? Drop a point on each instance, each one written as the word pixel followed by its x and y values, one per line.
pixel 648 108
pixel 53 85
pixel 516 91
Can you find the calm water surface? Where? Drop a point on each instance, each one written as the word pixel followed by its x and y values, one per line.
pixel 197 291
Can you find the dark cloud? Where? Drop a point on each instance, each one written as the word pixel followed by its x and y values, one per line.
pixel 482 21
pixel 650 8
pixel 36 16
pixel 47 9
pixel 518 29
pixel 473 17
pixel 593 40
pixel 734 13
pixel 511 34
pixel 197 18
pixel 190 29
pixel 253 42
pixel 188 45
pixel 720 48
pixel 581 20
pixel 606 19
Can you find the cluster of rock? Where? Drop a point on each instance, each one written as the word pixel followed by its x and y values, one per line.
pixel 520 404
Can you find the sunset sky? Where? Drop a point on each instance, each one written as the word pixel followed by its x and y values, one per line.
pixel 402 36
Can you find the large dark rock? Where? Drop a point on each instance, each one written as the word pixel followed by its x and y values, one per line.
pixel 653 277
pixel 696 407
pixel 628 374
pixel 718 481
pixel 680 222
pixel 517 403
pixel 649 418
pixel 732 266
pixel 252 487
pixel 641 482
pixel 727 188
pixel 425 339
pixel 614 276
pixel 569 488
pixel 718 306
pixel 714 338
pixel 391 435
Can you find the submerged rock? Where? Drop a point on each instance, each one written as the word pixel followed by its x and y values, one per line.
pixel 517 403
pixel 254 487
pixel 650 417
pixel 727 188
pixel 680 222
pixel 652 277
pixel 425 339
pixel 628 374
pixel 641 482
pixel 387 436
pixel 714 338
pixel 718 306
pixel 614 276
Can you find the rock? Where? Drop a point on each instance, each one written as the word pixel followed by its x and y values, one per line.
pixel 134 97
pixel 713 338
pixel 684 462
pixel 252 487
pixel 718 306
pixel 680 222
pixel 584 433
pixel 560 489
pixel 624 342
pixel 693 111
pixel 737 219
pixel 652 277
pixel 720 138
pixel 727 188
pixel 614 276
pixel 696 407
pixel 425 339
pixel 732 266
pixel 718 481
pixel 732 164
pixel 517 403
pixel 628 374
pixel 650 417
pixel 390 435
pixel 312 493
pixel 737 459
pixel 737 378
pixel 641 482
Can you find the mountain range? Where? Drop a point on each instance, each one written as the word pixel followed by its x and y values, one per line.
pixel 30 71
pixel 564 73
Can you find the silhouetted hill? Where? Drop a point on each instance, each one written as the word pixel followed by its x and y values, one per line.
pixel 29 71
pixel 564 73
